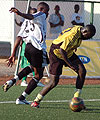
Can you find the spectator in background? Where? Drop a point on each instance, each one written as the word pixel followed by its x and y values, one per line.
pixel 56 21
pixel 77 19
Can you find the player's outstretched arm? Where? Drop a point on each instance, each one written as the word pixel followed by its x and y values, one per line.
pixel 26 16
pixel 11 59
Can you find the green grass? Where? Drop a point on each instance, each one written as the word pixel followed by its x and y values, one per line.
pixel 50 110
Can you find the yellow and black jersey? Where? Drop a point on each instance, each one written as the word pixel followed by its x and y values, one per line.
pixel 68 40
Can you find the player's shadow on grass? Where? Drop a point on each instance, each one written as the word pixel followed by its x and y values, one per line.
pixel 93 109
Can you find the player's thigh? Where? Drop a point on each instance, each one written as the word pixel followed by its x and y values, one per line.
pixel 38 72
pixel 76 61
pixel 34 56
pixel 55 67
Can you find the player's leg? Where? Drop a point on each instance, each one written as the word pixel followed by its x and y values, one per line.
pixel 22 74
pixel 24 63
pixel 52 83
pixel 34 56
pixel 81 75
pixel 44 64
pixel 55 71
pixel 31 86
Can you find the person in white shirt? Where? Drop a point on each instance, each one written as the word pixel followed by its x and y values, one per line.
pixel 77 19
pixel 34 35
pixel 56 22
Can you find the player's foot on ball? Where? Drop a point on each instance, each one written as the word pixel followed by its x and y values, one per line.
pixel 22 102
pixel 35 104
pixel 7 85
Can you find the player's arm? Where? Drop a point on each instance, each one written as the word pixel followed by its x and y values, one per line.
pixel 61 21
pixel 11 59
pixel 26 16
pixel 17 43
pixel 68 62
pixel 53 25
pixel 19 24
pixel 74 23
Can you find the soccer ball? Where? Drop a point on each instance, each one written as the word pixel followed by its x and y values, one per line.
pixel 76 104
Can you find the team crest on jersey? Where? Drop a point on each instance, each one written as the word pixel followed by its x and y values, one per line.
pixel 84 59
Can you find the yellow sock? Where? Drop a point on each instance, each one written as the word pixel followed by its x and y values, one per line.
pixel 78 93
pixel 38 98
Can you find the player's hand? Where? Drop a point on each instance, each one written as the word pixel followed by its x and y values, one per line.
pixel 13 9
pixel 10 61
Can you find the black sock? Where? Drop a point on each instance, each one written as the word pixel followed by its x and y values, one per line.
pixel 31 86
pixel 14 81
pixel 24 72
pixel 21 97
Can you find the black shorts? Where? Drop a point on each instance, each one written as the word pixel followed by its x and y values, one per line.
pixel 56 64
pixel 33 55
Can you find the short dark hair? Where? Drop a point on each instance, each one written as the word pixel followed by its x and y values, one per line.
pixel 76 6
pixel 91 28
pixel 43 4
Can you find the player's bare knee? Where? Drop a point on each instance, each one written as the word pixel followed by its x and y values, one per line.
pixel 52 84
pixel 54 80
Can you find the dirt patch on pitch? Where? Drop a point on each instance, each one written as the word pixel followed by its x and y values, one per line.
pixel 88 81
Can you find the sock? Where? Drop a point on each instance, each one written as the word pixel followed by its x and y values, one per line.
pixel 16 77
pixel 14 80
pixel 23 96
pixel 38 98
pixel 10 82
pixel 78 93
pixel 31 86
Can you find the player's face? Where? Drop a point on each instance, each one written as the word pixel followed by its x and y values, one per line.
pixel 86 34
pixel 57 8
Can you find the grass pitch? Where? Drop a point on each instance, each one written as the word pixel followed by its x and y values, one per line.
pixel 55 105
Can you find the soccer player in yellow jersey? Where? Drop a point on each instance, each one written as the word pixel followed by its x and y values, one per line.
pixel 62 53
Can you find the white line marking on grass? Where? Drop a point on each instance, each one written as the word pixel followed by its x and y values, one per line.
pixel 51 101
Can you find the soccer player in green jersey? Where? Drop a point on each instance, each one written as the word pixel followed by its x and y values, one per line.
pixel 62 53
